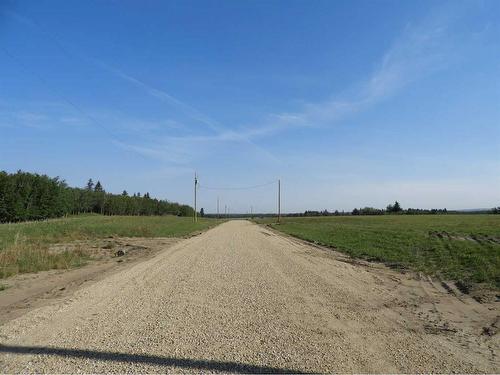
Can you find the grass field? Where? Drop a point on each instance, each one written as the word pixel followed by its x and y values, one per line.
pixel 463 248
pixel 24 247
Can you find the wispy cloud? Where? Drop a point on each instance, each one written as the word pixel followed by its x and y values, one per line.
pixel 221 133
pixel 420 50
pixel 169 152
pixel 30 117
pixel 162 95
pixel 35 116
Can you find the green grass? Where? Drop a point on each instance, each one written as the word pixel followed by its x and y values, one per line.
pixel 24 246
pixel 408 242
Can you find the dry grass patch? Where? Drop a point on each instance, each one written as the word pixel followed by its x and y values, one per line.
pixel 28 247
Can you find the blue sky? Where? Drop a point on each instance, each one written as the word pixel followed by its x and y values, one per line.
pixel 349 103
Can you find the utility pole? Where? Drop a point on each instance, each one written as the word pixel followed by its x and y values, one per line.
pixel 217 207
pixel 279 201
pixel 195 186
pixel 225 211
pixel 251 212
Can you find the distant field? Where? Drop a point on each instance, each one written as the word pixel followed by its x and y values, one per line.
pixel 24 246
pixel 463 248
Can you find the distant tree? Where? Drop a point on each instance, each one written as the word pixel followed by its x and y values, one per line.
pixel 397 207
pixel 336 213
pixel 98 187
pixel 370 211
pixel 312 213
pixel 146 195
pixel 124 193
pixel 90 185
pixel 202 212
pixel 355 212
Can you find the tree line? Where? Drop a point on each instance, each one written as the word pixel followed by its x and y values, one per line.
pixel 31 196
pixel 390 209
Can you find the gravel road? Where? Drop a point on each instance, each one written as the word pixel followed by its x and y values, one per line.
pixel 241 298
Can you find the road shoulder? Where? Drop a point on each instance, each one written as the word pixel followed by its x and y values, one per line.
pixel 26 292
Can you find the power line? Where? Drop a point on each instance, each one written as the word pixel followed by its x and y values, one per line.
pixel 237 188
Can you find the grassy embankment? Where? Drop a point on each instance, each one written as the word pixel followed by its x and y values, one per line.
pixel 24 247
pixel 463 248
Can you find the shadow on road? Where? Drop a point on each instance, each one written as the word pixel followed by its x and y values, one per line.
pixel 195 364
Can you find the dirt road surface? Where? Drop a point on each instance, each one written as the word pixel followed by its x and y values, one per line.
pixel 241 298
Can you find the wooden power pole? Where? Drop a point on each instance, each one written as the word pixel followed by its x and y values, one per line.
pixel 279 201
pixel 195 186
